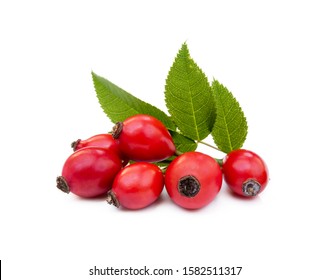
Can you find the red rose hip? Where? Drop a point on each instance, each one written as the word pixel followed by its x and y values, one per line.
pixel 136 186
pixel 89 172
pixel 245 172
pixel 193 180
pixel 144 138
pixel 104 140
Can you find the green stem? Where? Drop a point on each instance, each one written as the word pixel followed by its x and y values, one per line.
pixel 177 153
pixel 207 144
pixel 219 161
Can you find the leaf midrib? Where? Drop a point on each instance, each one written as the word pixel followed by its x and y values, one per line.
pixel 187 62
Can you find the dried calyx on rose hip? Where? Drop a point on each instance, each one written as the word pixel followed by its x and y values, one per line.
pixel 136 186
pixel 193 180
pixel 144 138
pixel 89 172
pixel 245 172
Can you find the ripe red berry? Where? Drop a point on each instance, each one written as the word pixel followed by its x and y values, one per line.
pixel 136 186
pixel 193 180
pixel 104 140
pixel 144 138
pixel 89 172
pixel 245 172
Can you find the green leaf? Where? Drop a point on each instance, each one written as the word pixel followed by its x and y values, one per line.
pixel 230 127
pixel 188 97
pixel 119 104
pixel 182 143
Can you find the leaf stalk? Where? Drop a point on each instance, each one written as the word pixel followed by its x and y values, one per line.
pixel 209 145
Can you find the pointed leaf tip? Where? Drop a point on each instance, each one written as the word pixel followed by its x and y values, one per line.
pixel 188 97
pixel 119 104
pixel 230 127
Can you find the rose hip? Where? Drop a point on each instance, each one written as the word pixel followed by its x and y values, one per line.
pixel 193 180
pixel 89 172
pixel 136 186
pixel 144 138
pixel 245 172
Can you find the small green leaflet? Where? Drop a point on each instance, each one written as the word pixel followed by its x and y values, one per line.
pixel 230 127
pixel 182 143
pixel 188 97
pixel 119 104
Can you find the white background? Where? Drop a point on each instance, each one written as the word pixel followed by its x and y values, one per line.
pixel 273 55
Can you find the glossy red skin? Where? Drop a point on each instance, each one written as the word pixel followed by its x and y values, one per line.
pixel 242 165
pixel 145 138
pixel 138 185
pixel 89 172
pixel 202 167
pixel 100 140
pixel 104 140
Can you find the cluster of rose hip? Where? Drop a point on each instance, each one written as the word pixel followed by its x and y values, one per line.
pixel 126 166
